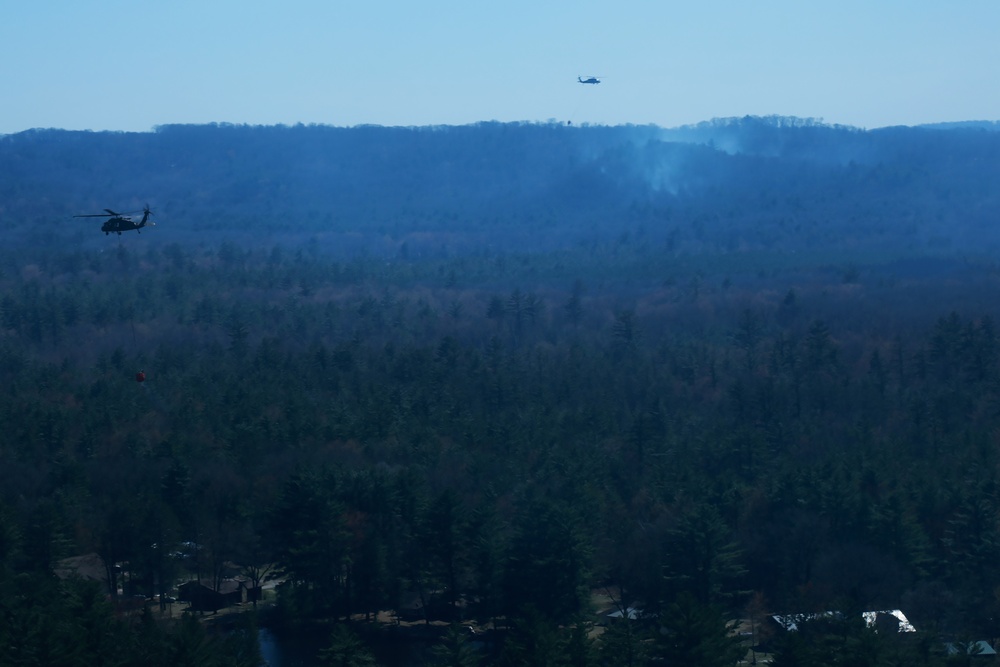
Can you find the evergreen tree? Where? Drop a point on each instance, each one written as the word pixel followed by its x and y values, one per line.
pixel 702 557
pixel 622 644
pixel 548 564
pixel 695 634
pixel 189 644
pixel 346 649
pixel 533 641
pixel 455 649
pixel 308 524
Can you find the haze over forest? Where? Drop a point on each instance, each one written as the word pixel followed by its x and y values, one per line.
pixel 731 185
pixel 720 371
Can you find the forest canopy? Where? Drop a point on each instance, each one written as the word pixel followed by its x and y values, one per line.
pixel 741 367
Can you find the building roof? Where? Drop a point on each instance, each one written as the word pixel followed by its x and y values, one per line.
pixel 978 648
pixel 790 622
pixel 871 619
pixel 88 566
pixel 225 586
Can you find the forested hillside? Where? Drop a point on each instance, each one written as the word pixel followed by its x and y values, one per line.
pixel 741 368
pixel 775 184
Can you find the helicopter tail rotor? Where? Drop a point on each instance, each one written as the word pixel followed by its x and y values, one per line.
pixel 146 212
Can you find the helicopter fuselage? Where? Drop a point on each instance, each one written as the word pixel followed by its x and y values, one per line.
pixel 117 222
pixel 123 223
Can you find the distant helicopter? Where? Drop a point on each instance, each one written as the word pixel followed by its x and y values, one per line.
pixel 589 79
pixel 118 222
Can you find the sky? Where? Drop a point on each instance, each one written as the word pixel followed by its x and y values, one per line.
pixel 131 65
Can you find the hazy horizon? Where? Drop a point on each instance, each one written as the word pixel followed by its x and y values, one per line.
pixel 120 66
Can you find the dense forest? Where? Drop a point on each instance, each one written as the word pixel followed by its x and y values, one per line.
pixel 714 373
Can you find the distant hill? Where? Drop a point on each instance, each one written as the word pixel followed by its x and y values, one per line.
pixel 991 125
pixel 774 183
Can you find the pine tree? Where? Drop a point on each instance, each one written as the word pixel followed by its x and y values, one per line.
pixel 455 649
pixel 346 649
pixel 694 634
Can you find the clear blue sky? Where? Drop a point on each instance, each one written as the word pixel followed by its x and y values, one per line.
pixel 134 64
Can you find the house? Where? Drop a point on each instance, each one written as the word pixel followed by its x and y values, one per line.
pixel 891 620
pixel 979 649
pixel 89 567
pixel 633 614
pixel 201 597
pixel 791 622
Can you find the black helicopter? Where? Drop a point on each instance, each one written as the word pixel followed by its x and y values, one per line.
pixel 118 222
pixel 589 79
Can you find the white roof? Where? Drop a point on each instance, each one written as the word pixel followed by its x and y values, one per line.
pixel 633 613
pixel 904 623
pixel 790 621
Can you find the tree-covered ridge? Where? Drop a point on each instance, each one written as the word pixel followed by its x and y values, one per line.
pixel 736 185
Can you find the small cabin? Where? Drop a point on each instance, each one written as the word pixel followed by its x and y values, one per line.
pixel 201 597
